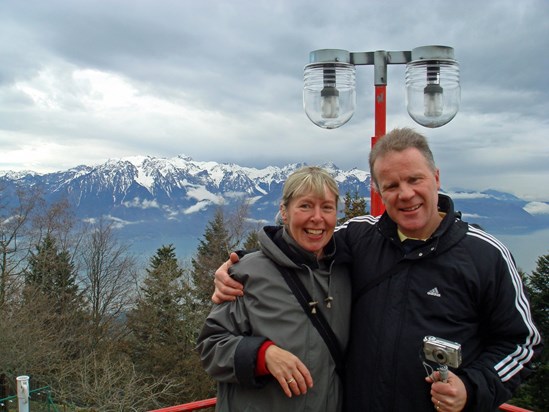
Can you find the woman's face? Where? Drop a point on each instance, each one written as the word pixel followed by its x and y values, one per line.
pixel 311 220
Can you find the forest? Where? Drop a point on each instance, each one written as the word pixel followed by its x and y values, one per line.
pixel 81 316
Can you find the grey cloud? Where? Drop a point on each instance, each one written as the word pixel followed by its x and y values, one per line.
pixel 239 65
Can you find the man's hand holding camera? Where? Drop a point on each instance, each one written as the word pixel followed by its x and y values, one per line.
pixel 448 392
pixel 450 396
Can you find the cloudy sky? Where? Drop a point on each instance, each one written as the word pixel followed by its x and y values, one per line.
pixel 85 81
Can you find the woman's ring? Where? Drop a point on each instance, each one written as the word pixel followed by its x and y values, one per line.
pixel 290 380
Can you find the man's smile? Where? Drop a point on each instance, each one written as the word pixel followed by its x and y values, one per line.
pixel 411 209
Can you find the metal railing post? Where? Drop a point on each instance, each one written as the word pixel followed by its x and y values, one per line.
pixel 23 393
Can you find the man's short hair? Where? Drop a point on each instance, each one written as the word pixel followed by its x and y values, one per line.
pixel 398 140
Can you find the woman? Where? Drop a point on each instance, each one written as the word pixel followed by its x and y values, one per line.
pixel 263 349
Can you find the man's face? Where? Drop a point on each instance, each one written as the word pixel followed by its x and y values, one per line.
pixel 409 191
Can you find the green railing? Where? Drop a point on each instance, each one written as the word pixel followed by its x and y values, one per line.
pixel 48 406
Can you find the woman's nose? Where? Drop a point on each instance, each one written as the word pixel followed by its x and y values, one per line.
pixel 317 215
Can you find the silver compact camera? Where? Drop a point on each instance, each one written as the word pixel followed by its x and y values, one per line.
pixel 441 351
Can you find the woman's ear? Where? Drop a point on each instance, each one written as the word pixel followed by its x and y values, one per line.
pixel 283 214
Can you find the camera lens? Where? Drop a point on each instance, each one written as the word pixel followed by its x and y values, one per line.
pixel 440 356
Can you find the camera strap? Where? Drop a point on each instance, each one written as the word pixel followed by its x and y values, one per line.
pixel 317 318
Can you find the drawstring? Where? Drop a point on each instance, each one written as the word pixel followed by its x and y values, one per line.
pixel 329 299
pixel 314 302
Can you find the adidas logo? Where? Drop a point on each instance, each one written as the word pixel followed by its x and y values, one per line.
pixel 434 292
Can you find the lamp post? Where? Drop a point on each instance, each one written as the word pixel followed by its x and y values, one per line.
pixel 432 89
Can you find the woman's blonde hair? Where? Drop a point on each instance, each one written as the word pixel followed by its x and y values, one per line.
pixel 306 180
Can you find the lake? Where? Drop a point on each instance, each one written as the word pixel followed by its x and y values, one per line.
pixel 526 249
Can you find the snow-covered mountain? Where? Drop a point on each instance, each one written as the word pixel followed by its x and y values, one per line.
pixel 156 201
pixel 131 188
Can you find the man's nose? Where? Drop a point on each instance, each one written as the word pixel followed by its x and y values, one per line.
pixel 406 191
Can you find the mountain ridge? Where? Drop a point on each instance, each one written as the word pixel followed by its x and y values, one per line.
pixel 164 200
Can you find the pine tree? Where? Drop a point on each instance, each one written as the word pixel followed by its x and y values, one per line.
pixel 538 286
pixel 53 307
pixel 155 322
pixel 533 395
pixel 354 206
pixel 212 251
pixel 52 273
pixel 163 333
pixel 218 241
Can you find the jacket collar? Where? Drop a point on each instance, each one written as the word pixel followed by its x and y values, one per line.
pixel 445 236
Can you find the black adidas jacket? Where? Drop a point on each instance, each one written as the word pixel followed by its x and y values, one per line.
pixel 461 285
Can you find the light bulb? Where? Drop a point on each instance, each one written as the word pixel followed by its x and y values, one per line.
pixel 329 105
pixel 432 100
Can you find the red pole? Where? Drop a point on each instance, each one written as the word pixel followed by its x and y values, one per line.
pixel 377 207
pixel 208 403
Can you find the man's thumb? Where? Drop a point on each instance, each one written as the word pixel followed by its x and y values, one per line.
pixel 234 257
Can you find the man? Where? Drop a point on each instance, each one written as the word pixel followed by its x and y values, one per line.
pixel 419 271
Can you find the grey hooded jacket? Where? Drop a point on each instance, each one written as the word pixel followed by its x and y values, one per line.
pixel 234 331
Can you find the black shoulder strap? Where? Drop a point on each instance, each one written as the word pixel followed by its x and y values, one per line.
pixel 318 320
pixel 378 279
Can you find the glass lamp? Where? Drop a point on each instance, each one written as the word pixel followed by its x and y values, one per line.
pixel 433 92
pixel 329 92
